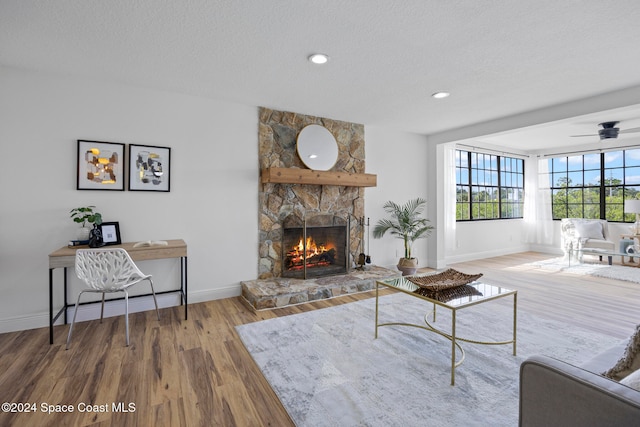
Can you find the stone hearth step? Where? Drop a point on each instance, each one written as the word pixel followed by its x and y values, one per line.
pixel 281 292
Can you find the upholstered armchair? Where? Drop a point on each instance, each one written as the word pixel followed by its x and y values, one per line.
pixel 581 233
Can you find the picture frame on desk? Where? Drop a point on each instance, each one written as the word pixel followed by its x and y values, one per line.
pixel 149 168
pixel 110 233
pixel 100 165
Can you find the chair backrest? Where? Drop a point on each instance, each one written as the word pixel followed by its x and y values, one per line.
pixel 107 269
pixel 569 227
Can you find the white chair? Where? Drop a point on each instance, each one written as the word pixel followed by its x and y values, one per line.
pixel 581 233
pixel 106 271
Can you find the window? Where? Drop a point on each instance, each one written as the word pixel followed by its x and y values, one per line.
pixel 594 185
pixel 488 186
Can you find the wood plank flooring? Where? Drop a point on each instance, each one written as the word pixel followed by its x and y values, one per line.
pixel 198 373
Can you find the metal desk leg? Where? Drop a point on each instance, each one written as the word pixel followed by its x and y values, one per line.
pixel 53 318
pixel 184 285
pixel 65 295
pixel 51 306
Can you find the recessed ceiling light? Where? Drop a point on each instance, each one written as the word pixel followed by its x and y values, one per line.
pixel 318 58
pixel 440 95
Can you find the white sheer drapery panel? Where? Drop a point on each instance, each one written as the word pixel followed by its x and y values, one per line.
pixel 537 202
pixel 450 192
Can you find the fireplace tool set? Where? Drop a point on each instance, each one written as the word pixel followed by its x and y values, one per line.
pixel 363 258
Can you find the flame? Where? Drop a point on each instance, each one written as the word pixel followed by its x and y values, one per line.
pixel 297 256
pixel 312 248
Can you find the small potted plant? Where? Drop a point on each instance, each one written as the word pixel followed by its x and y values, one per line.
pixel 406 224
pixel 84 215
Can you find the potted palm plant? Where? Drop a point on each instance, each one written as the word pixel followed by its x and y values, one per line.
pixel 84 215
pixel 407 224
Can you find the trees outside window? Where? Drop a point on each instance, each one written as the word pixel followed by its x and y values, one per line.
pixel 488 186
pixel 595 185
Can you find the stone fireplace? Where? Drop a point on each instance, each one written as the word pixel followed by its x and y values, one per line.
pixel 297 203
pixel 309 232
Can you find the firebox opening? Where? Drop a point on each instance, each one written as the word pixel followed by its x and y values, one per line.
pixel 322 253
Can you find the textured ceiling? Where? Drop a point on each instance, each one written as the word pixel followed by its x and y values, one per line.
pixel 497 58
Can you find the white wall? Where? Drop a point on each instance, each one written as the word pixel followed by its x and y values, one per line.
pixel 213 200
pixel 484 239
pixel 400 161
pixel 214 187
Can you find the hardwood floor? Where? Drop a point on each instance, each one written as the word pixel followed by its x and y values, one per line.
pixel 198 373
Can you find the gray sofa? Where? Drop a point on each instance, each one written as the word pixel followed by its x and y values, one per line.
pixel 555 393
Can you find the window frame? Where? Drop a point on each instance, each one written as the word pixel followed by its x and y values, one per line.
pixel 615 184
pixel 479 172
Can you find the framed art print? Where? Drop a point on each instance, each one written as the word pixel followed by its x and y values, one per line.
pixel 149 168
pixel 100 165
pixel 110 233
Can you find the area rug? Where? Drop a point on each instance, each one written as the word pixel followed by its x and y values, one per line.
pixel 618 272
pixel 328 370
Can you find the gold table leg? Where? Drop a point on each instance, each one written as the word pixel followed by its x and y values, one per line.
pixel 376 332
pixel 453 346
pixel 515 316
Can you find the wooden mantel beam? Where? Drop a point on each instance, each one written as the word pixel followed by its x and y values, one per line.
pixel 308 176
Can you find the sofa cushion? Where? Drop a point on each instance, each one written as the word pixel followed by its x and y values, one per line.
pixel 599 244
pixel 630 359
pixel 589 230
pixel 632 380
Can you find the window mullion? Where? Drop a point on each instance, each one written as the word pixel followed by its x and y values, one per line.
pixel 470 181
pixel 603 193
pixel 499 188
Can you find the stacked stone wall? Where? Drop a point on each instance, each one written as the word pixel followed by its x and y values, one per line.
pixel 277 148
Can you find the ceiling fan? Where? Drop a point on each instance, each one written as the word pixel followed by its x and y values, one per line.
pixel 610 131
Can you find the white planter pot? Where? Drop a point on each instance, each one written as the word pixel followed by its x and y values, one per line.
pixel 83 233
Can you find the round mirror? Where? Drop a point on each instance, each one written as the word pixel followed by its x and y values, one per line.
pixel 317 148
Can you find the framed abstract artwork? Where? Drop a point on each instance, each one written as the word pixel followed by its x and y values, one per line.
pixel 149 168
pixel 100 165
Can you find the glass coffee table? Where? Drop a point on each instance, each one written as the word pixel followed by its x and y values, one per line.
pixel 456 299
pixel 609 254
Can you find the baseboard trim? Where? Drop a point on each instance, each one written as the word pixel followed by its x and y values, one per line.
pixel 115 308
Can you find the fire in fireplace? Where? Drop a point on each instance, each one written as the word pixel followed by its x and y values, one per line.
pixel 314 247
pixel 314 255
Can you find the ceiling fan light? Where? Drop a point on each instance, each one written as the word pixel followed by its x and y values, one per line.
pixel 609 130
pixel 608 133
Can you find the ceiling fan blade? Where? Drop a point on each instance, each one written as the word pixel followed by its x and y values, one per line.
pixel 574 136
pixel 631 130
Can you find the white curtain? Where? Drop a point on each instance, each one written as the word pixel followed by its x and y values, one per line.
pixel 450 191
pixel 537 202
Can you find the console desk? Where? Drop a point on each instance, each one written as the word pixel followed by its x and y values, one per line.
pixel 66 257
